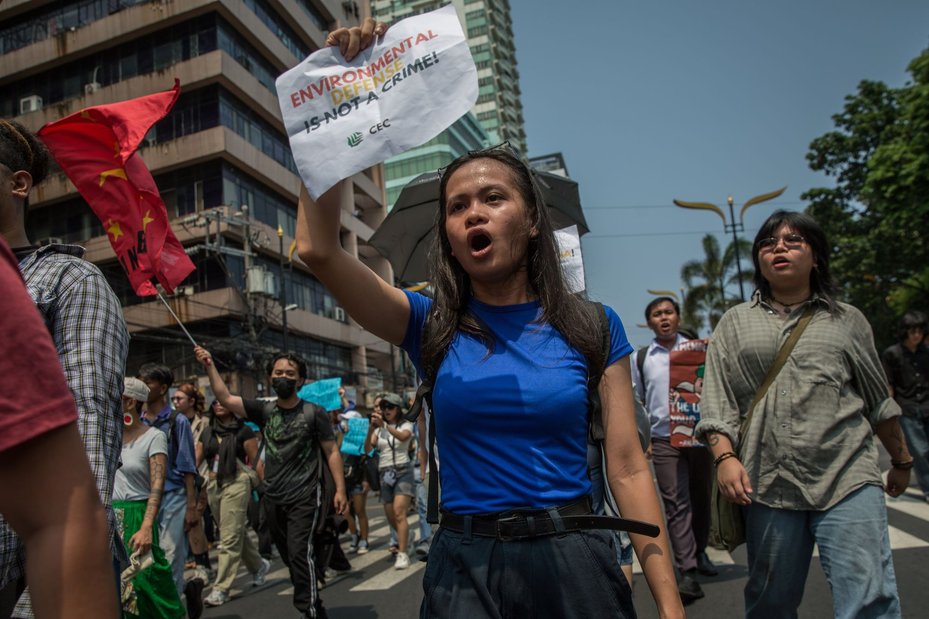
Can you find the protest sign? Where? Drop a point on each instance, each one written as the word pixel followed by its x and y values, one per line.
pixel 686 384
pixel 324 392
pixel 342 117
pixel 572 261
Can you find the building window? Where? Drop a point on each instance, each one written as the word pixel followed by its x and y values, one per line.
pixel 66 17
pixel 278 27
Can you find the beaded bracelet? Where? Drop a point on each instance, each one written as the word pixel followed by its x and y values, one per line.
pixel 902 466
pixel 721 457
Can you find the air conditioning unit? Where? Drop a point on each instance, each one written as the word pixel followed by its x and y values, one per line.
pixel 32 103
pixel 91 88
pixel 51 240
pixel 338 313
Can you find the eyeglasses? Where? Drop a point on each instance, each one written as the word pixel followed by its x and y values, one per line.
pixel 386 405
pixel 791 241
pixel 175 398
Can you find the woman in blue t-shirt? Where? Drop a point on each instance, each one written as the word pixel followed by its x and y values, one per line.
pixel 510 344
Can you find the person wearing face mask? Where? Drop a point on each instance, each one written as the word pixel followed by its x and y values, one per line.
pixel 299 442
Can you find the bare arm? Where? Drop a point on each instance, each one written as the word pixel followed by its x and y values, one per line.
pixel 373 303
pixel 62 524
pixel 334 461
pixel 233 403
pixel 631 482
pixel 251 451
pixel 198 450
pixel 157 467
pixel 892 438
pixel 375 423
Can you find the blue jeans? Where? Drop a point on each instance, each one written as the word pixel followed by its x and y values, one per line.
pixel 425 529
pixel 916 431
pixel 173 538
pixel 854 549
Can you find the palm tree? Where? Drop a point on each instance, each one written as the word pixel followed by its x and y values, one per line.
pixel 708 281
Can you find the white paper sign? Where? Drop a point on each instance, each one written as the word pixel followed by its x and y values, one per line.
pixel 572 262
pixel 344 117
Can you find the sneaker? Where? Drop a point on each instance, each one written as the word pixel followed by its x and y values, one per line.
pixel 217 597
pixel 362 547
pixel 193 594
pixel 705 566
pixel 402 562
pixel 262 574
pixel 354 545
pixel 422 549
pixel 689 588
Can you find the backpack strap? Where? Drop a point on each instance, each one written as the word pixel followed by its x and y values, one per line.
pixel 595 374
pixel 640 355
pixel 174 447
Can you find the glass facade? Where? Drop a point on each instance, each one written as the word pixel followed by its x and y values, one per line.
pixel 486 23
pixel 189 185
pixel 46 22
pixel 141 56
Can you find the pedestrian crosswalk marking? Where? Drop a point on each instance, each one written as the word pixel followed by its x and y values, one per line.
pixel 388 578
pixel 378 532
pixel 910 506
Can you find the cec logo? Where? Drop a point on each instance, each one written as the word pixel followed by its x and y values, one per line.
pixel 355 139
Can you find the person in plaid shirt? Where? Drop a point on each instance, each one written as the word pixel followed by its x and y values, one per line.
pixel 86 323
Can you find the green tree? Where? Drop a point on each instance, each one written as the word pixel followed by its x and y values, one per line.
pixel 710 282
pixel 876 214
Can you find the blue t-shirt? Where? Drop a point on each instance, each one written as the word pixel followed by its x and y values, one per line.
pixel 511 426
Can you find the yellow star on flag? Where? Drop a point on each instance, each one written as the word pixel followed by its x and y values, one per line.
pixel 147 219
pixel 114 229
pixel 117 172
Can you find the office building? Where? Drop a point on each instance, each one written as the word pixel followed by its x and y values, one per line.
pixel 221 160
pixel 498 110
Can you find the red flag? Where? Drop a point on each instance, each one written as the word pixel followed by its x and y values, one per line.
pixel 96 149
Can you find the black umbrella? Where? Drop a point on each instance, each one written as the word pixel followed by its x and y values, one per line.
pixel 405 236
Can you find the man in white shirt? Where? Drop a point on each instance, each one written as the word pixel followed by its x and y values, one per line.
pixel 684 474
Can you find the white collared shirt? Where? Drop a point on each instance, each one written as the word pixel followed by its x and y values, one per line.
pixel 653 389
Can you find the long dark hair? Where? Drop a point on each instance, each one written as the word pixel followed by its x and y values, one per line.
pixel 566 312
pixel 822 283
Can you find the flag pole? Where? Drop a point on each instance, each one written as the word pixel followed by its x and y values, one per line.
pixel 180 324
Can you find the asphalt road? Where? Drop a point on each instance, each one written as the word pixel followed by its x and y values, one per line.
pixel 374 589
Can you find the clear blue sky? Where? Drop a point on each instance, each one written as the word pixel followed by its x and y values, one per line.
pixel 651 101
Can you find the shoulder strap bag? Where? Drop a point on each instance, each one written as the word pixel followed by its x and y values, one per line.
pixel 728 521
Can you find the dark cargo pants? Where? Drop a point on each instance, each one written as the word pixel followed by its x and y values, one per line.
pixel 574 575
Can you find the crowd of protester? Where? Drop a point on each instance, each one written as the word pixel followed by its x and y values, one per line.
pixel 154 479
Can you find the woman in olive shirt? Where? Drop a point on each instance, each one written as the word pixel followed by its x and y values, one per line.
pixel 807 469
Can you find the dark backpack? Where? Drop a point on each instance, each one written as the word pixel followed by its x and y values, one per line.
pixel 326 480
pixel 594 407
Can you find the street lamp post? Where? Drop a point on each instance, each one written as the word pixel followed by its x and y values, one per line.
pixel 732 225
pixel 283 292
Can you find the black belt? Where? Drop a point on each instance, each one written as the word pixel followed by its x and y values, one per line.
pixel 525 524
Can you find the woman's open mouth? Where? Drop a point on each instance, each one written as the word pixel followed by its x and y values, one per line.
pixel 479 242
